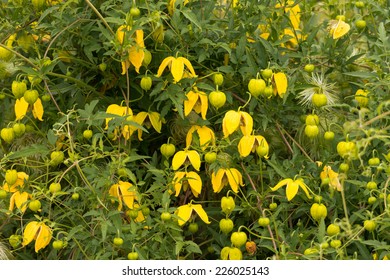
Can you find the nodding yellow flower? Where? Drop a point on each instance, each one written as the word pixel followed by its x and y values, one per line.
pixel 292 187
pixel 280 84
pixel 121 111
pixel 20 200
pixel 148 119
pixel 328 173
pixel 206 136
pixel 184 213
pixel 184 179
pixel 172 5
pixel 39 232
pixel 293 11
pixel 22 177
pixel 182 157
pixel 226 176
pixel 21 108
pixel 234 120
pixel 140 217
pixel 197 101
pixel 176 65
pixel 249 143
pixel 136 52
pixel 338 28
pixel 125 192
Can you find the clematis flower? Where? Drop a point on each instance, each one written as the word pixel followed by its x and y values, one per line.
pixel 140 217
pixel 184 213
pixel 148 119
pixel 22 177
pixel 280 84
pixel 184 179
pixel 234 120
pixel 182 157
pixel 125 193
pixel 292 187
pixel 21 108
pixel 176 65
pixel 338 28
pixel 205 134
pixel 39 232
pixel 121 111
pixel 249 143
pixel 172 5
pixel 20 200
pixel 333 177
pixel 226 176
pixel 319 85
pixel 197 101
pixel 293 12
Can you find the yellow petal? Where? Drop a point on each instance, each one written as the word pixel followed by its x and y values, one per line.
pixel 177 181
pixel 339 28
pixel 38 109
pixel 121 32
pixel 43 238
pixel 29 232
pixel 280 80
pixel 140 118
pixel 281 184
pixel 125 65
pixel 246 144
pixel 164 64
pixel 155 119
pixel 304 187
pixel 234 178
pixel 206 137
pixel 139 38
pixel 230 122
pixel 177 69
pixel 217 180
pixel 21 107
pixel 189 135
pixel 204 101
pixel 12 202
pixel 189 104
pixel 128 195
pixel 225 253
pixel 291 189
pixel 188 64
pixel 136 57
pixel 114 192
pixel 246 123
pixel 21 200
pixel 178 159
pixel 194 159
pixel 201 213
pixel 184 214
pixel 195 182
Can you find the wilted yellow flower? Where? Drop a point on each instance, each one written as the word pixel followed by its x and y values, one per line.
pixel 292 187
pixel 234 120
pixel 280 84
pixel 181 157
pixel 124 192
pixel 333 177
pixel 39 232
pixel 184 179
pixel 21 108
pixel 249 143
pixel 148 119
pixel 226 176
pixel 22 177
pixel 184 213
pixel 20 200
pixel 176 65
pixel 338 28
pixel 197 101
pixel 205 134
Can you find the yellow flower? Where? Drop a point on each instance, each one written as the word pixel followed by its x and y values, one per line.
pixel 338 28
pixel 280 84
pixel 184 213
pixel 20 200
pixel 292 187
pixel 172 5
pixel 293 11
pixel 21 108
pixel 328 173
pixel 149 119
pixel 124 192
pixel 121 111
pixel 176 66
pixel 22 177
pixel 39 232
pixel 226 176
pixel 140 217
pixel 205 134
pixel 183 179
pixel 234 120
pixel 197 101
pixel 249 143
pixel 231 253
pixel 181 157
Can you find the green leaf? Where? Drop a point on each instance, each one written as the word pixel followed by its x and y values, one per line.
pixel 191 17
pixel 361 74
pixel 35 149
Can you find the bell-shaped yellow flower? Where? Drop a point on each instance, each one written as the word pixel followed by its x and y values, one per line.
pixel 125 192
pixel 328 173
pixel 176 65
pixel 292 187
pixel 181 157
pixel 21 108
pixel 249 143
pixel 184 179
pixel 22 177
pixel 184 213
pixel 205 134
pixel 234 120
pixel 226 176
pixel 39 232
pixel 121 111
pixel 280 84
pixel 20 200
pixel 197 101
pixel 148 119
